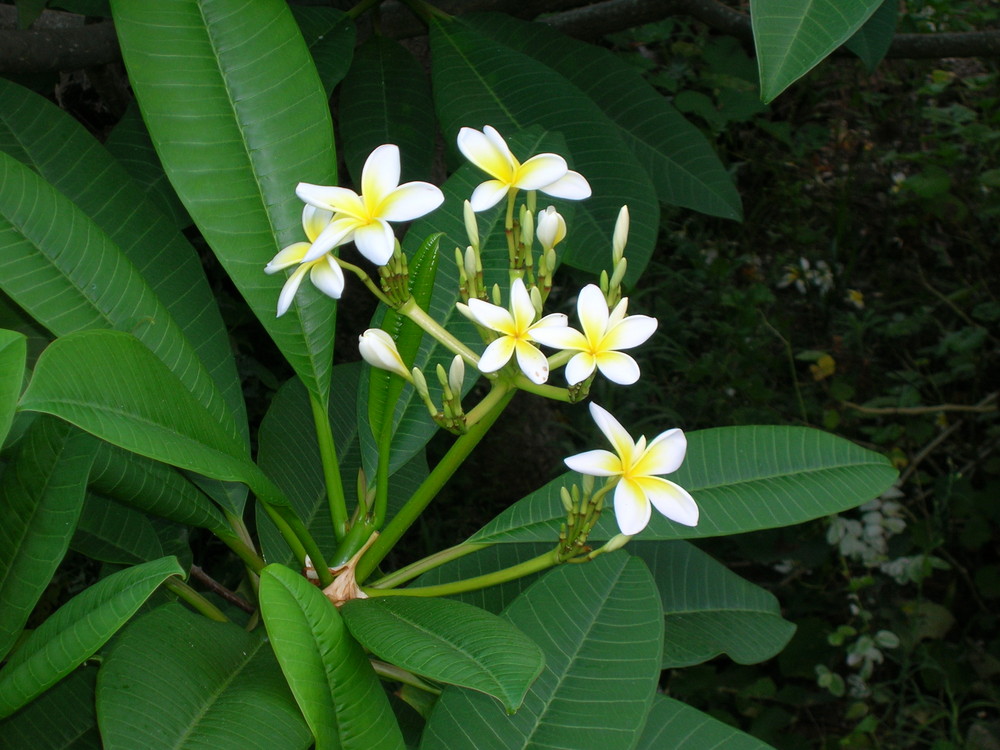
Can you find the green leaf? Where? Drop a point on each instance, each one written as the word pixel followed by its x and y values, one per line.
pixel 384 99
pixel 77 630
pixel 743 479
pixel 113 533
pixel 872 41
pixel 110 385
pixel 41 493
pixel 479 81
pixel 72 700
pixel 175 679
pixel 330 677
pixel 679 727
pixel 13 355
pixel 448 641
pixel 70 276
pixel 237 126
pixel 709 610
pixel 792 37
pixel 329 34
pixel 675 155
pixel 599 626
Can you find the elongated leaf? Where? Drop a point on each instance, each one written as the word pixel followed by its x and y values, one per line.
pixel 449 642
pixel 13 354
pixel 329 33
pixel 65 271
pixel 679 727
pixel 599 626
pixel 673 152
pixel 332 681
pixel 709 610
pixel 41 493
pixel 113 533
pixel 175 679
pixel 384 99
pixel 110 385
pixel 791 37
pixel 743 479
pixel 873 40
pixel 72 700
pixel 478 81
pixel 129 143
pixel 77 630
pixel 238 116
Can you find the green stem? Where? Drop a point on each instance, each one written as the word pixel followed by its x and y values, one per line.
pixel 360 8
pixel 331 469
pixel 426 11
pixel 397 674
pixel 561 357
pixel 430 562
pixel 240 543
pixel 366 280
pixel 548 391
pixel 485 407
pixel 534 565
pixel 414 312
pixel 196 600
pixel 426 492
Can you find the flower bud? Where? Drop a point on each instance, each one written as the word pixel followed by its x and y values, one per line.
pixel 471 225
pixel 620 235
pixel 551 228
pixel 379 350
pixel 616 542
pixel 456 375
pixel 527 226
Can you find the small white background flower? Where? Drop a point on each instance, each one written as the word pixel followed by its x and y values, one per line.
pixel 323 271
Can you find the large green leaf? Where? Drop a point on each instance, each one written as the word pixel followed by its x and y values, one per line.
pixel 600 627
pixel 72 700
pixel 64 270
pixel 479 81
pixel 238 116
pixel 673 725
pixel 676 156
pixel 329 33
pixel 384 99
pixel 792 36
pixel 873 40
pixel 709 610
pixel 114 533
pixel 109 384
pixel 175 679
pixel 13 354
pixel 330 677
pixel 743 478
pixel 449 642
pixel 77 630
pixel 41 494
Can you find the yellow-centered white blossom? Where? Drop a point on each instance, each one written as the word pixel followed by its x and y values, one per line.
pixel 546 172
pixel 324 272
pixel 365 218
pixel 517 331
pixel 379 350
pixel 637 467
pixel 604 334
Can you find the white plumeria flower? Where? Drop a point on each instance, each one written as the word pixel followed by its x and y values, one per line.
pixel 637 465
pixel 516 331
pixel 551 228
pixel 324 272
pixel 365 218
pixel 546 172
pixel 379 350
pixel 604 334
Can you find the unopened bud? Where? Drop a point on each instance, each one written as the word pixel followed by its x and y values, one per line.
pixel 379 350
pixel 616 542
pixel 497 298
pixel 551 228
pixel 620 236
pixel 456 375
pixel 567 501
pixel 619 273
pixel 471 224
pixel 527 227
pixel 536 300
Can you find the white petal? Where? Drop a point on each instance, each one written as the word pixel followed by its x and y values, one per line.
pixel 580 367
pixel 632 331
pixel 410 201
pixel 559 337
pixel 597 463
pixel 540 171
pixel 315 220
pixel 617 367
pixel 550 322
pixel 328 277
pixel 632 510
pixel 522 311
pixel 532 362
pixel 287 257
pixel 375 241
pixel 497 354
pixel 664 455
pixel 488 194
pixel 592 309
pixel 671 500
pixel 613 431
pixel 380 175
pixel 491 316
pixel 378 349
pixel 572 186
pixel 337 232
pixel 488 151
pixel 290 288
pixel 618 314
pixel 337 199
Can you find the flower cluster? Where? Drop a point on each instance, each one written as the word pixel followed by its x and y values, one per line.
pixel 513 334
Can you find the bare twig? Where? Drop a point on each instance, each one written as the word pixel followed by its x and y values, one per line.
pixel 978 408
pixel 217 588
